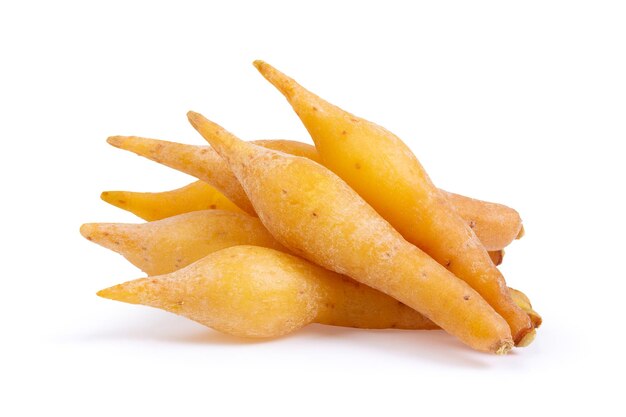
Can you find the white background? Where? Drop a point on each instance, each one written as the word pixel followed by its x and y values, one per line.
pixel 522 103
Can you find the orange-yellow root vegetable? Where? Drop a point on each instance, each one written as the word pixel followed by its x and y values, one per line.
pixel 226 291
pixel 384 171
pixel 252 291
pixel 167 245
pixel 316 215
pixel 155 206
pixel 164 246
pixel 496 225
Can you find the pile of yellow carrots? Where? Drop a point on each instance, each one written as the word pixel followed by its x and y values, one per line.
pixel 277 234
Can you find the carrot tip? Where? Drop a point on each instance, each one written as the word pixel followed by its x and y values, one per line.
pixel 505 347
pixel 115 141
pixel 527 339
pixel 87 230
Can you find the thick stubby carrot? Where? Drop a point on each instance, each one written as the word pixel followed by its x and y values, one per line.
pixel 155 206
pixel 164 246
pixel 384 171
pixel 318 216
pixel 497 224
pixel 252 291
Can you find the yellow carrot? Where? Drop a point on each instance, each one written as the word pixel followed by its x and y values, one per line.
pixel 384 171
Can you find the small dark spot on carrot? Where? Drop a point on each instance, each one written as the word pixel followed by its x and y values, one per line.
pixel 121 201
pixel 116 242
pixel 105 233
pixel 89 238
pixel 388 254
pixel 400 303
pixel 343 132
pixel 301 292
pixel 314 108
pixel 180 303
pixel 448 262
pixel 144 248
pixel 423 274
pixel 283 191
pixel 466 297
pixel 154 281
pixel 357 165
pixel 472 224
pixel 145 259
pixel 204 151
pixel 213 206
pixel 394 325
pixel 314 214
pixel 352 119
pixel 330 305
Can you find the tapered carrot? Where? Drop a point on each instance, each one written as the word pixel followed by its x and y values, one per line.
pixel 252 291
pixel 384 171
pixel 316 215
pixel 155 206
pixel 167 245
pixel 228 290
pixel 495 224
pixel 258 292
